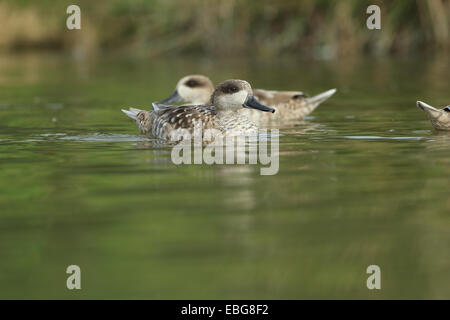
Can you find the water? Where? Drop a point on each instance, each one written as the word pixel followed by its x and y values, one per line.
pixel 364 180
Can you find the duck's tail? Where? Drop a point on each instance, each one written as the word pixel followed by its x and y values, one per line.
pixel 312 103
pixel 321 97
pixel 142 118
pixel 132 113
pixel 426 107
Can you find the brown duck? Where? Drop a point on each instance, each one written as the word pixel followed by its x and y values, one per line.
pixel 289 105
pixel 222 114
pixel 440 118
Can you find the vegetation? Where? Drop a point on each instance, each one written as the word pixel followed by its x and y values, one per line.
pixel 321 28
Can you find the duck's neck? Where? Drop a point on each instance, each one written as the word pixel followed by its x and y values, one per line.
pixel 199 102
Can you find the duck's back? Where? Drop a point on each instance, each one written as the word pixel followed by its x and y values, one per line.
pixel 165 120
pixel 288 105
pixel 273 97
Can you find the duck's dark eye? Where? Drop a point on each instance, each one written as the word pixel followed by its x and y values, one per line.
pixel 231 89
pixel 192 83
pixel 447 109
pixel 299 96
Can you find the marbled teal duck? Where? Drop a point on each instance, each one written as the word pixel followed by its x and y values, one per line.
pixel 222 114
pixel 288 104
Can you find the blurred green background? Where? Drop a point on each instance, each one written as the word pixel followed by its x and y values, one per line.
pixel 322 28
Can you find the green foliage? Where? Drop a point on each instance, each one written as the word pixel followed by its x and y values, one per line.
pixel 225 27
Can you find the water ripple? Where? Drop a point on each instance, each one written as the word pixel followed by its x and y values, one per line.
pixel 382 138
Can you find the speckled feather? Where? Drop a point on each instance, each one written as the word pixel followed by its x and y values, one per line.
pixel 222 114
pixel 289 105
pixel 442 122
pixel 286 106
pixel 439 118
pixel 163 122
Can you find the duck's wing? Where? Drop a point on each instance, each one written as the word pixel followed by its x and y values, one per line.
pixel 183 117
pixel 160 106
pixel 167 119
pixel 289 104
pixel 272 97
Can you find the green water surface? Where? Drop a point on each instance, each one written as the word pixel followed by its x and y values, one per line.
pixel 364 180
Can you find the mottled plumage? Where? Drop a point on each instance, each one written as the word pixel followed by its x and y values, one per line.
pixel 440 118
pixel 222 114
pixel 289 105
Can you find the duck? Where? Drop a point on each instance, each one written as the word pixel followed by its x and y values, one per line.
pixel 440 118
pixel 222 113
pixel 195 89
pixel 289 105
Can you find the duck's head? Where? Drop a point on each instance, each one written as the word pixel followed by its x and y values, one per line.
pixel 440 118
pixel 195 89
pixel 231 95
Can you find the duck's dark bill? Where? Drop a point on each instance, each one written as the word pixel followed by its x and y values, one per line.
pixel 252 103
pixel 174 98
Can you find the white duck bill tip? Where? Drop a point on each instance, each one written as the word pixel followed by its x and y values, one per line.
pixel 425 107
pixel 321 97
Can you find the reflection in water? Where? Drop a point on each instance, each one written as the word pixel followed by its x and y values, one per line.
pixel 239 180
pixel 362 181
pixel 303 127
pixel 387 138
pixel 440 140
pixel 100 137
